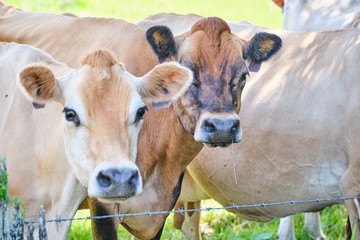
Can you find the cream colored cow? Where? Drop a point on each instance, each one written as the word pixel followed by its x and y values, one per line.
pixel 83 139
pixel 320 15
pixel 305 15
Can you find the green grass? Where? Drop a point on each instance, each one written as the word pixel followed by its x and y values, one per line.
pixel 261 12
pixel 214 224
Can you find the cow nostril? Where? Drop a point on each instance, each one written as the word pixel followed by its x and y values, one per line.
pixel 235 127
pixel 103 180
pixel 209 127
pixel 134 177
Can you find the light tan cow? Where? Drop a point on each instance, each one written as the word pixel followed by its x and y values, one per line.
pixel 170 138
pixel 320 15
pixel 301 138
pixel 84 139
pixel 178 23
pixel 304 15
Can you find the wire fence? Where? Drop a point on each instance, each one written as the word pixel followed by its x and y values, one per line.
pixel 183 211
pixel 13 229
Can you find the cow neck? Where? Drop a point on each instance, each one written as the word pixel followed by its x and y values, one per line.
pixel 164 143
pixel 164 151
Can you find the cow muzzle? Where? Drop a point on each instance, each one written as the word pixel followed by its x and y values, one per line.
pixel 218 129
pixel 115 183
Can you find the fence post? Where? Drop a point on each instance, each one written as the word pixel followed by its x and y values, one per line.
pixel 42 227
pixel 6 221
pixel 1 204
pixel 30 232
pixel 1 217
pixel 17 227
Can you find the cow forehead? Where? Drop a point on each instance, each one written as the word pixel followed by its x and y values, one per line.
pixel 215 55
pixel 106 94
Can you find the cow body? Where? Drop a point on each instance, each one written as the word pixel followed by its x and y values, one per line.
pixel 300 139
pixel 178 23
pixel 170 138
pixel 76 36
pixel 17 146
pixel 59 154
pixel 301 15
pixel 190 223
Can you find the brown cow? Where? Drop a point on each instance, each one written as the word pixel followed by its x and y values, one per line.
pixel 59 154
pixel 170 138
pixel 286 229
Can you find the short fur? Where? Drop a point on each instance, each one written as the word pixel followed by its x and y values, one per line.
pixel 155 81
pixel 179 217
pixel 38 83
pixel 213 27
pixel 99 59
pixel 279 3
pixel 261 47
pixel 162 42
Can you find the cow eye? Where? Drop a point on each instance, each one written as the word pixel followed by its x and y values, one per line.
pixel 195 83
pixel 140 114
pixel 71 116
pixel 243 77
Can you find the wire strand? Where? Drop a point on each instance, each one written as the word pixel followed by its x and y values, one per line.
pixel 182 211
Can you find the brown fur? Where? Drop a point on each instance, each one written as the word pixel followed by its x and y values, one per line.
pixel 279 3
pixel 267 44
pixel 213 27
pixel 156 83
pixel 99 59
pixel 214 52
pixel 190 206
pixel 101 97
pixel 39 83
pixel 178 217
pixel 158 37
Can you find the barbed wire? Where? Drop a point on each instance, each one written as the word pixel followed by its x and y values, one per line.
pixel 182 211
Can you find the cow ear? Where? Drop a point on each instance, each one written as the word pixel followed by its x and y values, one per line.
pixel 162 42
pixel 279 3
pixel 38 84
pixel 164 84
pixel 260 48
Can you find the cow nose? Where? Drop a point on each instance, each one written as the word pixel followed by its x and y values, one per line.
pixel 113 179
pixel 213 125
pixel 219 130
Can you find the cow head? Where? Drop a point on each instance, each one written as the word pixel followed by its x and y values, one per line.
pixel 220 62
pixel 102 114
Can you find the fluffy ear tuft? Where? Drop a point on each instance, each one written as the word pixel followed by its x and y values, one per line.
pixel 262 47
pixel 162 42
pixel 38 84
pixel 165 83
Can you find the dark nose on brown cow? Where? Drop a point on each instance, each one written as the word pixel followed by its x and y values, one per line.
pixel 118 182
pixel 221 132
